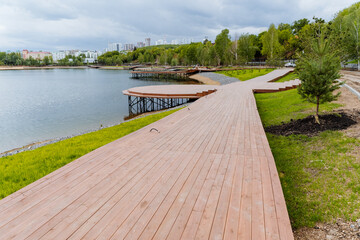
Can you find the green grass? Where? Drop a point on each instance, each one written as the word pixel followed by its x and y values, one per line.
pixel 21 169
pixel 319 175
pixel 352 62
pixel 283 106
pixel 288 77
pixel 246 74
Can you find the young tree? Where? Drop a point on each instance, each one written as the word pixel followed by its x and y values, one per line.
pixel 318 70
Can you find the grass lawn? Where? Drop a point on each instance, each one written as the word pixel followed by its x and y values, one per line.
pixel 21 169
pixel 283 106
pixel 319 175
pixel 288 77
pixel 246 74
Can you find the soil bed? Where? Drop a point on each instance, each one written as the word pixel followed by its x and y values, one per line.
pixel 337 120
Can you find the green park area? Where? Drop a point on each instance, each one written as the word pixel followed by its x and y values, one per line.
pixel 246 74
pixel 319 174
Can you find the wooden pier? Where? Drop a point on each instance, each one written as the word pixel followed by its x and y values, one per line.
pixel 154 98
pixel 207 172
pixel 163 74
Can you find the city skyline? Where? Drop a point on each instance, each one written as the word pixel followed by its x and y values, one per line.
pixel 58 25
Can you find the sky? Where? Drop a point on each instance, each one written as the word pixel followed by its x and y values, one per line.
pixel 51 25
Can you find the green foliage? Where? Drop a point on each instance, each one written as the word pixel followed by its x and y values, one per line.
pixel 318 70
pixel 47 60
pixel 346 28
pixel 272 49
pixel 319 175
pixel 113 58
pixel 21 169
pixel 13 59
pixel 298 25
pixel 222 45
pixel 246 74
pixel 71 60
pixel 187 54
pixel 246 48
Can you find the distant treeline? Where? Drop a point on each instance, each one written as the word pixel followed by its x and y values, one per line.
pixel 15 59
pixel 282 42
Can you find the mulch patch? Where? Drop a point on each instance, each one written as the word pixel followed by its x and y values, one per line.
pixel 338 120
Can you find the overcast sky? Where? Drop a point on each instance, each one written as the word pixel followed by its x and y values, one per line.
pixel 90 24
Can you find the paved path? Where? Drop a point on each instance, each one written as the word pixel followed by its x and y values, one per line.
pixel 207 173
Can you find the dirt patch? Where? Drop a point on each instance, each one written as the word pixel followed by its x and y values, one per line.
pixel 350 102
pixel 338 120
pixel 339 230
pixel 348 99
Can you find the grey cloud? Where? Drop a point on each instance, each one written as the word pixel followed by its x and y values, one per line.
pixel 51 24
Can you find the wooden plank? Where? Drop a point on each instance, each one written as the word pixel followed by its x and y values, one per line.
pixel 72 217
pixel 207 218
pixel 218 225
pixel 168 211
pixel 124 200
pixel 232 221
pixel 198 209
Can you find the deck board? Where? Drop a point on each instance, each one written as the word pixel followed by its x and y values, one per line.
pixel 207 174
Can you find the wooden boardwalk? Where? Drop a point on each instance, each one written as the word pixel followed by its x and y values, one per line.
pixel 207 174
pixel 171 91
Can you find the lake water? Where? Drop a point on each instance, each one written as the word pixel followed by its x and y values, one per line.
pixel 37 105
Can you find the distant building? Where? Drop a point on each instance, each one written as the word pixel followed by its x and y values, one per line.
pixel 90 56
pixel 129 47
pixel 159 42
pixel 140 44
pixel 147 42
pixel 114 47
pixel 35 55
pixel 58 55
pixel 175 42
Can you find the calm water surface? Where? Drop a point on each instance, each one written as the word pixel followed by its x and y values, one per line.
pixel 38 105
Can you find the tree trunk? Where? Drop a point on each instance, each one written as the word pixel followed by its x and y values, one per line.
pixel 317 110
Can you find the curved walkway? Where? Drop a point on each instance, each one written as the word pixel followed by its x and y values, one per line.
pixel 171 91
pixel 207 173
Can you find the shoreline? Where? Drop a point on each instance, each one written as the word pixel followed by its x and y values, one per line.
pixel 39 144
pixel 3 68
pixel 204 80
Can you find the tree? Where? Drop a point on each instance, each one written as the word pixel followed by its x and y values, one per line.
pixel 222 45
pixel 298 25
pixel 318 70
pixel 47 60
pixel 347 24
pixel 271 46
pixel 246 48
